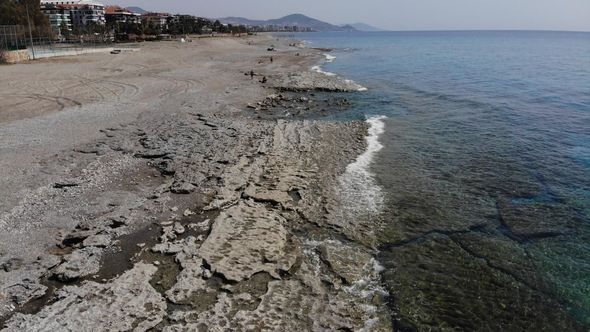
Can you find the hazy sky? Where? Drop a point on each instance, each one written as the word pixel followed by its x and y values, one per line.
pixel 397 14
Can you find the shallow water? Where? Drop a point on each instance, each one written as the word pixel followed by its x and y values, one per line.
pixel 485 170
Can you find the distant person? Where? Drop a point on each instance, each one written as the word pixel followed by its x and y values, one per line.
pixel 251 74
pixel 263 80
pixel 271 60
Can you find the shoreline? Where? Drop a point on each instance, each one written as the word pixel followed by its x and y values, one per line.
pixel 219 217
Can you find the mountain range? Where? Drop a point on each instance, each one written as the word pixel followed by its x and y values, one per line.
pixel 137 10
pixel 298 20
pixel 365 27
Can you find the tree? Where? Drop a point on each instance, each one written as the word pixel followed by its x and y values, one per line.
pixel 15 13
pixel 63 28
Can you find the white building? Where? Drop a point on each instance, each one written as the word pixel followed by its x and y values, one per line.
pixel 82 12
pixel 59 18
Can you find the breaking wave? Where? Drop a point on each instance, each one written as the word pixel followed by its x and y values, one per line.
pixel 359 192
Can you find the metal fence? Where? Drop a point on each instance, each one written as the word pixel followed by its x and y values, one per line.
pixel 14 37
pixel 44 46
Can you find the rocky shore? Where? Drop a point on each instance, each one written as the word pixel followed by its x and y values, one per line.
pixel 218 208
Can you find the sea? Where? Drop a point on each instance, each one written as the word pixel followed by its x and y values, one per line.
pixel 480 158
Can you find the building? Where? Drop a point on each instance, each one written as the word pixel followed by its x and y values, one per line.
pixel 59 18
pixel 116 14
pixel 158 20
pixel 82 12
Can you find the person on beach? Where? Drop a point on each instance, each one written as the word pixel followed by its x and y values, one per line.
pixel 271 59
pixel 263 80
pixel 251 74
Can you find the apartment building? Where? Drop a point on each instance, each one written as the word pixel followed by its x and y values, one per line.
pixel 82 12
pixel 116 14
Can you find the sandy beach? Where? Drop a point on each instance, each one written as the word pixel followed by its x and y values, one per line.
pixel 166 189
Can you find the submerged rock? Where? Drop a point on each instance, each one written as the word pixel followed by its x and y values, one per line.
pixel 442 283
pixel 349 263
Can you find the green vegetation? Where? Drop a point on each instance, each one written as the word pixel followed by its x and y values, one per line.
pixel 14 12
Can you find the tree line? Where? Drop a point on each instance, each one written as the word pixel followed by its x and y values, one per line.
pixel 13 12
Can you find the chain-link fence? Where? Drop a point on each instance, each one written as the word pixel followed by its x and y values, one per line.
pixel 15 37
pixel 12 37
pixel 43 46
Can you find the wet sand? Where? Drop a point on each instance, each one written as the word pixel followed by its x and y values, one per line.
pixel 151 187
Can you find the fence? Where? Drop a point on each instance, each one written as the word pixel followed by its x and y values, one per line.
pixel 14 37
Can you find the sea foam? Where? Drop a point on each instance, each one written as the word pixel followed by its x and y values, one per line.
pixel 329 57
pixel 318 69
pixel 361 196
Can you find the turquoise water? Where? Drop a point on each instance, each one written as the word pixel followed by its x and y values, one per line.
pixel 486 170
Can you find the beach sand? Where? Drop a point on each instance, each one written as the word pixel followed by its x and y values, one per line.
pixel 156 188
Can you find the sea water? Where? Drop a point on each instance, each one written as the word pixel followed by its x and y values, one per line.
pixel 483 170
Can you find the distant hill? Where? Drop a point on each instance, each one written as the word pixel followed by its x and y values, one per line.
pixel 365 27
pixel 298 20
pixel 137 10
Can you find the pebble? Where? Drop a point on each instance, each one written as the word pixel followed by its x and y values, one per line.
pixel 179 229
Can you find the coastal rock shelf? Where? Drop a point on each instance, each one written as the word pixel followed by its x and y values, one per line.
pixel 313 81
pixel 194 214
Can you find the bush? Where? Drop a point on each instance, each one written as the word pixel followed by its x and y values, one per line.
pixel 2 58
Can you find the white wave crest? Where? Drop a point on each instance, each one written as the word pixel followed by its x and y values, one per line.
pixel 360 194
pixel 329 57
pixel 318 69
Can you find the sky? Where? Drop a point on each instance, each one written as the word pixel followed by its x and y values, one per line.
pixel 570 15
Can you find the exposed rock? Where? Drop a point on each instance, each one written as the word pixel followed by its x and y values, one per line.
pixel 182 188
pixel 24 292
pixel 168 234
pixel 307 81
pixel 99 240
pixel 77 237
pixel 175 247
pixel 188 282
pixel 11 264
pixel 78 264
pixel 127 303
pixel 178 228
pixel 247 239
